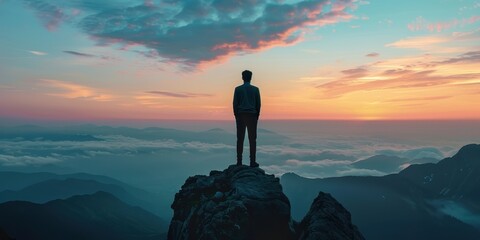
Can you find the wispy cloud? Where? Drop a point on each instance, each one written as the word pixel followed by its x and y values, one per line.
pixel 75 91
pixel 422 24
pixel 392 74
pixel 179 94
pixel 194 32
pixel 87 55
pixel 9 160
pixel 373 54
pixel 422 42
pixel 356 72
pixel 416 99
pixel 468 57
pixel 50 14
pixel 38 53
pixel 79 54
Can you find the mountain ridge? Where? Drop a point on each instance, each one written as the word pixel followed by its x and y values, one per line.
pixel 93 216
pixel 412 198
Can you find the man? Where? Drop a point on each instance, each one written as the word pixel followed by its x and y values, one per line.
pixel 246 108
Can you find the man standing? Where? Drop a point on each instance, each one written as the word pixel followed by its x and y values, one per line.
pixel 246 107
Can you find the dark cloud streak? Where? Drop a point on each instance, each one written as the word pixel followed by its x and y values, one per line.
pixel 87 55
pixel 179 95
pixel 469 57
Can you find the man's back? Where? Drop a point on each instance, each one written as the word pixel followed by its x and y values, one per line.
pixel 246 99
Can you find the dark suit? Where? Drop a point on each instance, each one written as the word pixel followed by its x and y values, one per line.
pixel 246 107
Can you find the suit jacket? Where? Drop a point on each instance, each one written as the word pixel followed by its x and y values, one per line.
pixel 246 99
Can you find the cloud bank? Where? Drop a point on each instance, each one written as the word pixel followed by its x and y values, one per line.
pixel 193 32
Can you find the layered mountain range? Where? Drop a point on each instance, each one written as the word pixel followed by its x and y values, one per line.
pixel 77 206
pixel 424 201
pixel 96 216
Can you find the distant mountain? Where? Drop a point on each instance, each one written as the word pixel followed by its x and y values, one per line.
pixel 59 189
pixel 456 178
pixel 90 132
pixel 389 163
pixel 382 163
pixel 17 180
pixel 43 187
pixel 426 201
pixel 36 133
pixel 97 216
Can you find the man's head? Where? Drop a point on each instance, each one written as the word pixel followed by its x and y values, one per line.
pixel 247 76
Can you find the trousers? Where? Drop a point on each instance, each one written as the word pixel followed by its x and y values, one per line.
pixel 246 121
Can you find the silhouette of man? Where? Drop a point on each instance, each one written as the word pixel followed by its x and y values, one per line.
pixel 246 108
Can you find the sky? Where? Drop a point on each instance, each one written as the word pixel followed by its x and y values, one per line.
pixel 311 59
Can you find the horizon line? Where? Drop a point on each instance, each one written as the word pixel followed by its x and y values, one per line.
pixel 3 119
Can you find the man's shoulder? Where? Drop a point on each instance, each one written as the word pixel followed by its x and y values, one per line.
pixel 246 86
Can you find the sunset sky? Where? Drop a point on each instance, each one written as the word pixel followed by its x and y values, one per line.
pixel 311 59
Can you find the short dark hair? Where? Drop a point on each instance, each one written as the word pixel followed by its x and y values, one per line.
pixel 247 76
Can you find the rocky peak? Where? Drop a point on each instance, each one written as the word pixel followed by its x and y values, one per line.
pixel 451 178
pixel 328 220
pixel 245 203
pixel 468 152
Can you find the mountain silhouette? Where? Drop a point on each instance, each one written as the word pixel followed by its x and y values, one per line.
pixel 389 164
pixel 60 189
pixel 43 187
pixel 456 178
pixel 96 216
pixel 421 202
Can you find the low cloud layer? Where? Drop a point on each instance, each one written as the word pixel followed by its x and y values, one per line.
pixel 193 32
pixel 127 148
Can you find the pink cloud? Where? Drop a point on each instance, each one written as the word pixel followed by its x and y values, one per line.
pixel 422 24
pixel 373 54
pixel 393 74
pixel 75 91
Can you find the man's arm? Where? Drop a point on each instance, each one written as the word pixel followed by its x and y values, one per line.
pixel 235 102
pixel 259 103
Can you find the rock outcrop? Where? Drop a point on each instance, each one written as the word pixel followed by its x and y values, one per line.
pixel 245 203
pixel 4 235
pixel 328 220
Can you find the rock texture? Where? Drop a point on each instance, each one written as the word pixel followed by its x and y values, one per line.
pixel 245 203
pixel 328 220
pixel 4 235
pixel 238 203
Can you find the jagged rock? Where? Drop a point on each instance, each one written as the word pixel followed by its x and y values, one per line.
pixel 238 203
pixel 328 220
pixel 4 235
pixel 244 203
